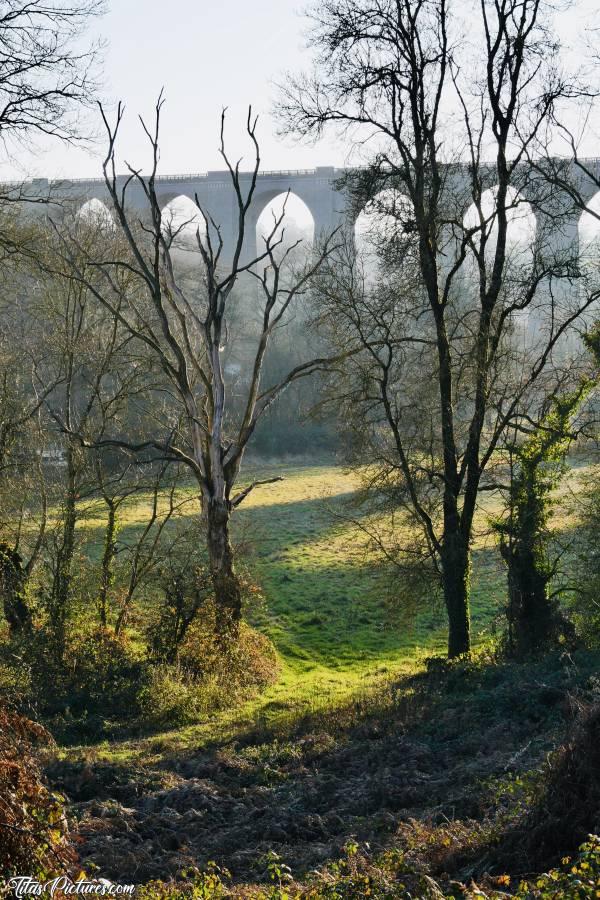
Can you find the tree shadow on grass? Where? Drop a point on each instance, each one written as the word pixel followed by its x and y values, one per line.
pixel 430 763
pixel 326 600
pixel 328 611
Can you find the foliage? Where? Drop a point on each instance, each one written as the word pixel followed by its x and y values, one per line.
pixel 475 717
pixel 537 466
pixel 566 806
pixel 103 673
pixel 33 828
pixel 387 876
pixel 185 591
pixel 248 661
pixel 13 582
pixel 95 682
pixel 104 683
pixel 577 879
pixel 208 673
pixel 584 599
pixel 170 698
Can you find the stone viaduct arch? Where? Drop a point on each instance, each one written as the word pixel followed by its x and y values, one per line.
pixel 329 206
pixel 315 187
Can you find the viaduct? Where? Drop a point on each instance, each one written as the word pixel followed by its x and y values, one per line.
pixel 319 189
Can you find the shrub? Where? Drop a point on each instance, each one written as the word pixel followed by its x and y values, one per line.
pixel 16 686
pixel 171 697
pixel 245 664
pixel 578 879
pixel 208 675
pixel 386 877
pixel 33 828
pixel 97 680
pixel 102 683
pixel 104 674
pixel 568 807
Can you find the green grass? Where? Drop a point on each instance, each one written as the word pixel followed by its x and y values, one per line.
pixel 433 761
pixel 326 607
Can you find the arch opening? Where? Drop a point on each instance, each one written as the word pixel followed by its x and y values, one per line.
pixel 297 227
pixel 521 225
pixel 521 235
pixel 589 237
pixel 95 213
pixel 181 223
pixel 383 223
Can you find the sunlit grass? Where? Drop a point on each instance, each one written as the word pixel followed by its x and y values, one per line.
pixel 326 608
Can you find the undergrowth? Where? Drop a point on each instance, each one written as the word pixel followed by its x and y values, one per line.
pixel 103 685
pixel 33 828
pixel 388 876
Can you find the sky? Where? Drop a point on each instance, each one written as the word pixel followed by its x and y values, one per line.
pixel 207 54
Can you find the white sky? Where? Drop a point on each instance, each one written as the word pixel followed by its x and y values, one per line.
pixel 208 54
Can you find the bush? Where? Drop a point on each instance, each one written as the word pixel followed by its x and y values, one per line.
pixel 567 809
pixel 171 697
pixel 33 827
pixel 578 879
pixel 96 681
pixel 388 876
pixel 248 663
pixel 102 683
pixel 16 684
pixel 104 675
pixel 209 674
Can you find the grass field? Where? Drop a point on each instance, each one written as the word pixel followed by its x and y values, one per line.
pixel 358 740
pixel 328 611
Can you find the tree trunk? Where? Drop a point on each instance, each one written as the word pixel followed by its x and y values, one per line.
pixel 533 620
pixel 13 579
pixel 108 559
pixel 456 576
pixel 226 584
pixel 61 586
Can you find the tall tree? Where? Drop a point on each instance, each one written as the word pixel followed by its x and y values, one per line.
pixel 537 464
pixel 402 74
pixel 47 76
pixel 183 325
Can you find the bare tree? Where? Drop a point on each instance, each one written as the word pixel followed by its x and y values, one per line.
pixel 182 324
pixel 23 435
pixel 47 77
pixel 146 552
pixel 23 527
pixel 46 73
pixel 445 382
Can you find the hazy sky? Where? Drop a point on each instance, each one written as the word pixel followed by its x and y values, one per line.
pixel 207 54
